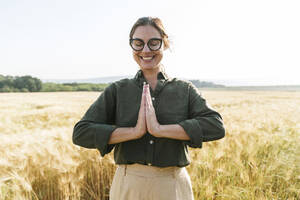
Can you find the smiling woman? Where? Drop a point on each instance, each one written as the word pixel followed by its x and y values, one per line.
pixel 145 56
pixel 149 121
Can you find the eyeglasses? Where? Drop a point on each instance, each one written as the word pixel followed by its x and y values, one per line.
pixel 153 44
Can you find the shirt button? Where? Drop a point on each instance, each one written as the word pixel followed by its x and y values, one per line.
pixel 153 98
pixel 151 142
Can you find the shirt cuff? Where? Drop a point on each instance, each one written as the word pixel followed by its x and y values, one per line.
pixel 194 131
pixel 102 136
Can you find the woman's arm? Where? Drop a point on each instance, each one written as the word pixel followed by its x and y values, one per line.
pixel 204 123
pixel 124 134
pixel 98 123
pixel 173 131
pixel 97 130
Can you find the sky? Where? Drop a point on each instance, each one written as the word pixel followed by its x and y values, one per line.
pixel 254 41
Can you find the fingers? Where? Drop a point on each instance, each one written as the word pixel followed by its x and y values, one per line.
pixel 148 100
pixel 144 96
pixel 143 101
pixel 149 96
pixel 141 125
pixel 151 120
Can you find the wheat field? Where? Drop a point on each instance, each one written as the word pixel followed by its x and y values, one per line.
pixel 259 158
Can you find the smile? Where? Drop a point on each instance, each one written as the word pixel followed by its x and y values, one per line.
pixel 146 58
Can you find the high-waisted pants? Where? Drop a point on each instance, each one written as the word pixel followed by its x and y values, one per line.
pixel 143 182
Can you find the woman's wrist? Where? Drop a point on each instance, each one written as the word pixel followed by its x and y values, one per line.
pixel 137 132
pixel 123 134
pixel 156 131
pixel 160 131
pixel 173 131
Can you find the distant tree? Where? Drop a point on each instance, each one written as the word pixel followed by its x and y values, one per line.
pixel 38 84
pixel 8 81
pixel 24 90
pixel 5 89
pixel 2 77
pixel 23 83
pixel 29 83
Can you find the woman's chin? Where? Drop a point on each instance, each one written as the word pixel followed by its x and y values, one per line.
pixel 148 67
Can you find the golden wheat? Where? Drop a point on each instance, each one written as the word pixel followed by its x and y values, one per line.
pixel 258 159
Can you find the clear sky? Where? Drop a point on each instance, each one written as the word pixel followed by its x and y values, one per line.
pixel 211 39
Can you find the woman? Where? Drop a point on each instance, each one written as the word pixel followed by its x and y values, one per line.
pixel 149 120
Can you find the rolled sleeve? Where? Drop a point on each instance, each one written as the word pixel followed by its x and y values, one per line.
pixel 204 123
pixel 96 126
pixel 194 131
pixel 92 135
pixel 101 140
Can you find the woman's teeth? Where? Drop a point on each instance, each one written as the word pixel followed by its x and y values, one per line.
pixel 147 58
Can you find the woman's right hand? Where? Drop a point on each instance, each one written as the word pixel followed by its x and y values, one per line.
pixel 141 128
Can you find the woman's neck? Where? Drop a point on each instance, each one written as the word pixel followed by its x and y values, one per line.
pixel 151 76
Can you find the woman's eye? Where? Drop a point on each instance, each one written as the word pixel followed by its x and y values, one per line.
pixel 138 44
pixel 154 43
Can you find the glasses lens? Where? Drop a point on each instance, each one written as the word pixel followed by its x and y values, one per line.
pixel 154 44
pixel 137 44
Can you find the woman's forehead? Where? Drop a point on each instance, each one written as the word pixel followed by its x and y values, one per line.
pixel 147 31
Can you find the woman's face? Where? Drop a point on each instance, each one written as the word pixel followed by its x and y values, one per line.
pixel 147 59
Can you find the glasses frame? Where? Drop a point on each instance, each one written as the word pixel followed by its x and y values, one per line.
pixel 132 39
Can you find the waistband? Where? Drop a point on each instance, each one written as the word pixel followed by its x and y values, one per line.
pixel 149 171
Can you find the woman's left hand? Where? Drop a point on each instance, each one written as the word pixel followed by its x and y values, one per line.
pixel 153 126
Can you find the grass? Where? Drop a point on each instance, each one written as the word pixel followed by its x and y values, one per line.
pixel 258 159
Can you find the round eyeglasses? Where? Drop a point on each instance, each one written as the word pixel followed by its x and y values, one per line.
pixel 153 44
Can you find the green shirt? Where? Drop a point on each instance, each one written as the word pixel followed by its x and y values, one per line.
pixel 175 102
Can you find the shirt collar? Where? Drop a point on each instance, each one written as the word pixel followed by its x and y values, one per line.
pixel 160 76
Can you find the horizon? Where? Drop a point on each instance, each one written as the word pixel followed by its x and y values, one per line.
pixel 225 82
pixel 255 41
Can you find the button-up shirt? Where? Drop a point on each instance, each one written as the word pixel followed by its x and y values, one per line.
pixel 175 102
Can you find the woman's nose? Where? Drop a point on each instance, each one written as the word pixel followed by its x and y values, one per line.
pixel 146 48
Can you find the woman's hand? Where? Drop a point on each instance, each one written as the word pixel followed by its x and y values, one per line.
pixel 153 126
pixel 140 129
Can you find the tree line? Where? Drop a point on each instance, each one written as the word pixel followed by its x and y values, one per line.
pixel 32 84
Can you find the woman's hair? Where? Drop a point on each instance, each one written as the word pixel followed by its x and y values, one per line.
pixel 156 23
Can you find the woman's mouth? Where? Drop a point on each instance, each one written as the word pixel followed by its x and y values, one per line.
pixel 147 58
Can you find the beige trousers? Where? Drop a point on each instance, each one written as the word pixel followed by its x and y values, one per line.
pixel 142 182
